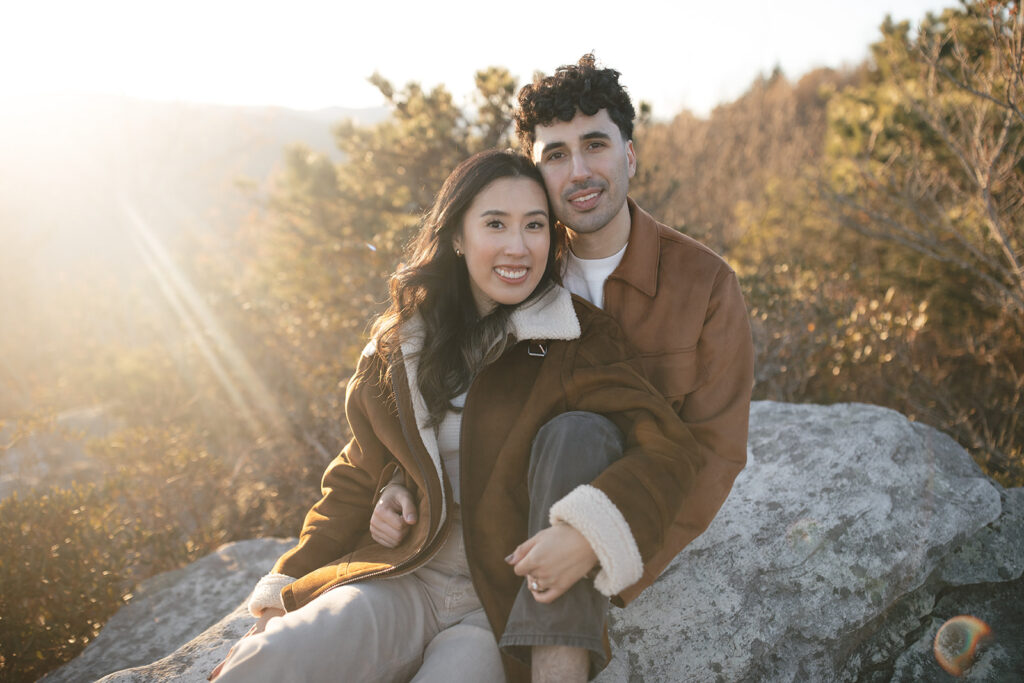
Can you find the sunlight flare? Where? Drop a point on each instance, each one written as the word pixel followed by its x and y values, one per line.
pixel 243 385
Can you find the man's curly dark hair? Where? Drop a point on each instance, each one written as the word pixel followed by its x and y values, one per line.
pixel 580 86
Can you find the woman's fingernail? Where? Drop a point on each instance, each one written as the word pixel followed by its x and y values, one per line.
pixel 509 558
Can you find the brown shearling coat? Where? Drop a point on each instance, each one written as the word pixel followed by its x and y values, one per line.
pixel 590 368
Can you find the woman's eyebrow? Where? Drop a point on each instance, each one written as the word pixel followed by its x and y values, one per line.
pixel 494 212
pixel 502 212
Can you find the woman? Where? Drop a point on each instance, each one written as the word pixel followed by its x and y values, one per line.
pixel 403 567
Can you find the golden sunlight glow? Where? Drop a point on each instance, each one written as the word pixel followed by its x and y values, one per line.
pixel 316 53
pixel 239 379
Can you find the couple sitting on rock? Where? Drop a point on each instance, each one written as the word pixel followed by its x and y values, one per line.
pixel 553 405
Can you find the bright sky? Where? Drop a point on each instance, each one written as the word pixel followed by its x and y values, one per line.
pixel 310 54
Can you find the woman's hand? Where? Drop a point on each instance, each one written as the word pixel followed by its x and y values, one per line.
pixel 553 560
pixel 394 513
pixel 261 624
pixel 266 615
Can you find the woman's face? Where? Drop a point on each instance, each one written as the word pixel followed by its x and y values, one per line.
pixel 505 241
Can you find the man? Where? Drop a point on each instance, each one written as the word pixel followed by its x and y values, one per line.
pixel 677 301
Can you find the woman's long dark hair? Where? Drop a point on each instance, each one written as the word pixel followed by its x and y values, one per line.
pixel 434 282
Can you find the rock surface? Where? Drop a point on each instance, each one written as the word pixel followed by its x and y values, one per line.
pixel 847 524
pixel 850 538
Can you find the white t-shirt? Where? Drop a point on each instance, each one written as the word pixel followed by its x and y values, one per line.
pixel 585 277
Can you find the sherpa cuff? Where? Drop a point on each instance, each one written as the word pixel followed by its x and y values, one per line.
pixel 268 593
pixel 592 513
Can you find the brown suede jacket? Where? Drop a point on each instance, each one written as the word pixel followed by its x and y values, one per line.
pixel 680 306
pixel 570 356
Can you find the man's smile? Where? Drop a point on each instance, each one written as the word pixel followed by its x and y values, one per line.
pixel 585 199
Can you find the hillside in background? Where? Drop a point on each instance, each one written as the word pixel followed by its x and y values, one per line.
pixel 64 159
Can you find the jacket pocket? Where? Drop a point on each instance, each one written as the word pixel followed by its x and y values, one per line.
pixel 675 373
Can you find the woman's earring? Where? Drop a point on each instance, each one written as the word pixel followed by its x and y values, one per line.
pixel 458 252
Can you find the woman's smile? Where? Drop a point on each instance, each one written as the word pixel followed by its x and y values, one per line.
pixel 512 274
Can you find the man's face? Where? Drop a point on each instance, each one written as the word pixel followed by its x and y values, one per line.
pixel 586 166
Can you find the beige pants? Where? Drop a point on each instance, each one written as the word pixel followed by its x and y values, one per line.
pixel 425 626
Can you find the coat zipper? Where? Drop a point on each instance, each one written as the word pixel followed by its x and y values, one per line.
pixel 434 545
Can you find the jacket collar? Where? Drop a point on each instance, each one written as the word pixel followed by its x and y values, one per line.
pixel 549 316
pixel 640 263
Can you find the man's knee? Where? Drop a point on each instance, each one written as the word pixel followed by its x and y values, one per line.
pixel 580 442
pixel 579 428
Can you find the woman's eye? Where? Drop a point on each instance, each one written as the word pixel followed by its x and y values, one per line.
pixel 535 226
pixel 497 225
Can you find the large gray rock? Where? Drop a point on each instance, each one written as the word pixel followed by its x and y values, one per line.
pixel 983 577
pixel 846 524
pixel 852 535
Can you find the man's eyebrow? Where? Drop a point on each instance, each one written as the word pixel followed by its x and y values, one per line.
pixel 592 135
pixel 548 146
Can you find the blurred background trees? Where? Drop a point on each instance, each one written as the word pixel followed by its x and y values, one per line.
pixel 874 216
pixel 926 158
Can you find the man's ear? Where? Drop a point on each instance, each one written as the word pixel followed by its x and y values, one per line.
pixel 631 157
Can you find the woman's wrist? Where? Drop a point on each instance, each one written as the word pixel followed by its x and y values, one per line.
pixel 267 593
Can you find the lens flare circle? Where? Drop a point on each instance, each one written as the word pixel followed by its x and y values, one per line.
pixel 957 641
pixel 804 535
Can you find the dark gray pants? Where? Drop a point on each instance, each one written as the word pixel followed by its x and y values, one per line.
pixel 570 450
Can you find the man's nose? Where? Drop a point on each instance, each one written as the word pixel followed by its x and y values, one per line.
pixel 580 168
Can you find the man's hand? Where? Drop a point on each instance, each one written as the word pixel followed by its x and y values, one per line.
pixel 394 513
pixel 552 560
pixel 261 624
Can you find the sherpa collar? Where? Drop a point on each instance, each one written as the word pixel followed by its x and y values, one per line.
pixel 550 316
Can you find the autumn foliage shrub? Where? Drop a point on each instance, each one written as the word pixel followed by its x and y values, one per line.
pixel 65 565
pixel 72 556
